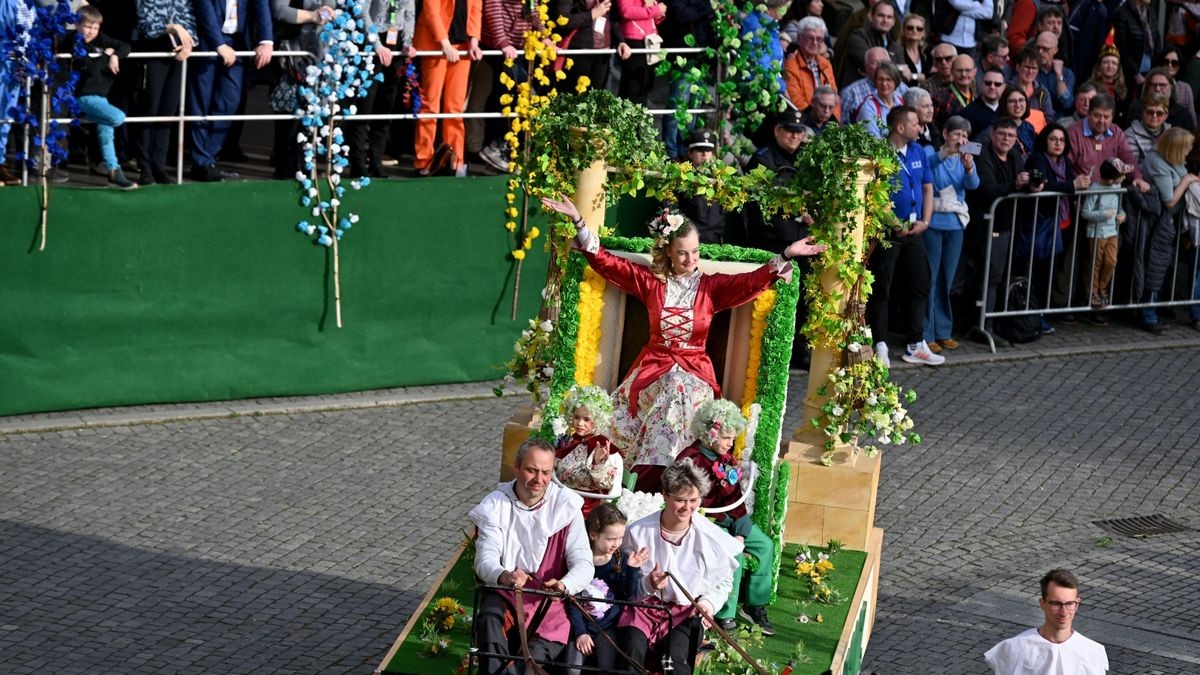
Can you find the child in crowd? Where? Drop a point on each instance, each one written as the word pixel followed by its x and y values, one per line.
pixel 1103 213
pixel 716 425
pixel 96 78
pixel 92 91
pixel 586 459
pixel 617 578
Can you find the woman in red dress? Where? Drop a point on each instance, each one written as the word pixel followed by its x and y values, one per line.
pixel 673 375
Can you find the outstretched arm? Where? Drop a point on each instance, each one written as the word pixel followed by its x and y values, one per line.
pixel 803 247
pixel 564 206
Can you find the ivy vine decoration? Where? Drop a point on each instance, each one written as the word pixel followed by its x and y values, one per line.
pixel 344 72
pixel 576 130
pixel 864 406
pixel 30 47
pixel 732 76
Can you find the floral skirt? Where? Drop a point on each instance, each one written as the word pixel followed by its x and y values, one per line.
pixel 662 427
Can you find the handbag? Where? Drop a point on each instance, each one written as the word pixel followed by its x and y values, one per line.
pixel 654 41
pixel 285 95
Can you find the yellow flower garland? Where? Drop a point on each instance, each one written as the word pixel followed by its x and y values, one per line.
pixel 540 52
pixel 587 340
pixel 758 325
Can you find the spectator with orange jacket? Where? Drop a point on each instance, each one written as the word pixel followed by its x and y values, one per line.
pixel 808 69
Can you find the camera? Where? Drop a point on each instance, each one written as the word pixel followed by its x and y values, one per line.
pixel 1036 177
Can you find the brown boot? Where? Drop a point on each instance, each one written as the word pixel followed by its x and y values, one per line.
pixel 7 178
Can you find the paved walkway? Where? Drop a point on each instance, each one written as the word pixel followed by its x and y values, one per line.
pixel 298 535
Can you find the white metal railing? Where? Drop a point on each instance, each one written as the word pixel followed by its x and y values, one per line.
pixel 1136 237
pixel 182 118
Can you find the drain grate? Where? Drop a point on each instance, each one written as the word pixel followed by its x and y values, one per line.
pixel 1142 526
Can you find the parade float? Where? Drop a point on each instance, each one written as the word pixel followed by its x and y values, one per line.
pixel 814 487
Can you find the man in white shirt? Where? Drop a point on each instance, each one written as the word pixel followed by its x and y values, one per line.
pixel 1054 648
pixel 531 535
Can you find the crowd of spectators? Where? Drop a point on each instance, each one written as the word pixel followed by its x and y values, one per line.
pixel 1035 95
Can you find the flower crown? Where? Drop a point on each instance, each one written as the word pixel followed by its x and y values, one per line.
pixel 716 417
pixel 595 399
pixel 665 225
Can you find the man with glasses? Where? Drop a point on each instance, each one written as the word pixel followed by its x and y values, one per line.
pixel 942 75
pixel 1053 647
pixel 822 113
pixel 951 100
pixel 985 108
pixel 993 53
pixel 1001 173
pixel 1053 75
pixel 808 68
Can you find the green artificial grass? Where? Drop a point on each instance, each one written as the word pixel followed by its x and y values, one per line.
pixel 412 657
pixel 820 639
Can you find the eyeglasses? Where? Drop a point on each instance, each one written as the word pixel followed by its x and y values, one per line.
pixel 1029 66
pixel 1045 48
pixel 1171 62
pixel 915 29
pixel 993 84
pixel 1056 139
pixel 943 59
pixel 1157 112
pixel 1069 606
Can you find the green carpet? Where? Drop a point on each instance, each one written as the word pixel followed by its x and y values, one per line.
pixel 206 292
pixel 820 639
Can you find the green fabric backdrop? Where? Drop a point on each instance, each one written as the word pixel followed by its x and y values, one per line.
pixel 206 292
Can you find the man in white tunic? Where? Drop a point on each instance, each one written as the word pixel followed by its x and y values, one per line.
pixel 531 534
pixel 1054 648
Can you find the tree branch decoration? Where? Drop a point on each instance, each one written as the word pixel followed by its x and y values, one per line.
pixel 344 72
pixel 30 54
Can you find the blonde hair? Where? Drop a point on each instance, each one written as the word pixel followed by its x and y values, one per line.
pixel 660 256
pixel 1174 145
pixel 922 42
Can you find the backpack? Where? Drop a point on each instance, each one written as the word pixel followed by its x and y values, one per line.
pixel 1018 329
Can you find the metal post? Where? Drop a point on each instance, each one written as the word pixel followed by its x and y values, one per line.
pixel 179 144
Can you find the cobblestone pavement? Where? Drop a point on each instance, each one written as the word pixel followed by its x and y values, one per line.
pixel 302 541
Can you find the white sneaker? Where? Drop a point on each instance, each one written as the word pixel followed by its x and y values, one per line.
pixel 919 353
pixel 495 156
pixel 881 353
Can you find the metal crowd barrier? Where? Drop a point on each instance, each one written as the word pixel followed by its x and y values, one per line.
pixel 1061 283
pixel 182 117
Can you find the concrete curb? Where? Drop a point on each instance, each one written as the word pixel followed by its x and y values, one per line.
pixel 382 398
